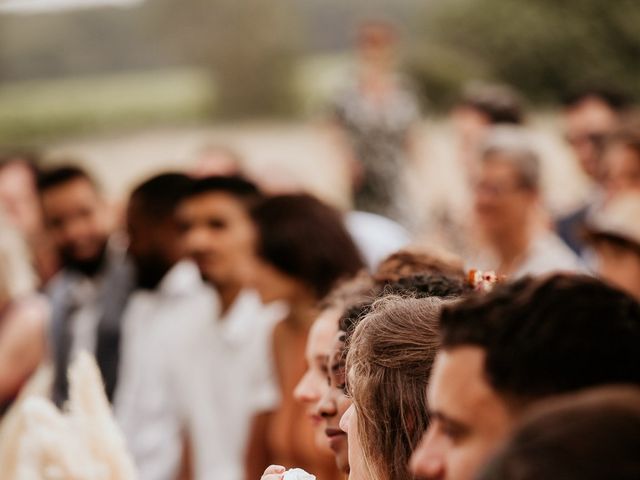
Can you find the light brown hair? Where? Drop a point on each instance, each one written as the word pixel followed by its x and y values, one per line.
pixel 389 362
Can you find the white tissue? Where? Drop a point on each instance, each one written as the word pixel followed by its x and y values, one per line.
pixel 297 474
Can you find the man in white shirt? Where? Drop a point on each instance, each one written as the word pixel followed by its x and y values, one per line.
pixel 224 377
pixel 167 292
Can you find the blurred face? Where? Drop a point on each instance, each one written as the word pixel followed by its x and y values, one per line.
pixel 470 125
pixel 502 204
pixel 154 245
pixel 621 166
pixel 620 266
pixel 218 235
pixel 313 385
pixel 76 218
pixel 468 419
pixel 586 125
pixel 334 403
pixel 376 43
pixel 357 466
pixel 18 197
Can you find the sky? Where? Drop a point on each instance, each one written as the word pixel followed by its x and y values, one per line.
pixel 35 6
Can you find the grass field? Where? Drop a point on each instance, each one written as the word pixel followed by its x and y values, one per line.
pixel 43 110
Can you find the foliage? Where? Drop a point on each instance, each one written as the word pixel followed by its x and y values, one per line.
pixel 546 48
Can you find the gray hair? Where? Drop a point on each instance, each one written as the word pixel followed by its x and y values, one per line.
pixel 514 145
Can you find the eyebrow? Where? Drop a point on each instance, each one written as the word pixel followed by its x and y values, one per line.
pixel 438 415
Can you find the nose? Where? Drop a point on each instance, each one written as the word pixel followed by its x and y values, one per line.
pixel 427 460
pixel 305 391
pixel 346 419
pixel 327 406
pixel 196 240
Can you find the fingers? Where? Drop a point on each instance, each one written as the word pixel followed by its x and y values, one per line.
pixel 273 472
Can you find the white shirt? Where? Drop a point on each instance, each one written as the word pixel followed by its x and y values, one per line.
pixel 224 377
pixel 547 253
pixel 376 236
pixel 143 402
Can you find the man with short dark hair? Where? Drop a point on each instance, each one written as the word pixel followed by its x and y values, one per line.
pixel 525 341
pixel 89 293
pixel 227 377
pixel 169 293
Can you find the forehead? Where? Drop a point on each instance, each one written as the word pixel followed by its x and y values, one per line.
pixel 76 190
pixel 322 333
pixel 458 387
pixel 497 166
pixel 591 113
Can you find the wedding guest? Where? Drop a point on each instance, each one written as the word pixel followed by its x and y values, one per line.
pixel 375 117
pixel 505 350
pixel 303 250
pixel 221 366
pixel 589 117
pixel 390 356
pixel 167 291
pixel 510 238
pixel 89 294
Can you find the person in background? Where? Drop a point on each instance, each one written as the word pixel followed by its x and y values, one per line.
pixel 89 294
pixel 391 352
pixel 24 316
pixel 589 117
pixel 481 108
pixel 167 291
pixel 510 237
pixel 220 365
pixel 504 351
pixel 374 119
pixel 586 436
pixel 302 251
pixel 19 199
pixel 614 235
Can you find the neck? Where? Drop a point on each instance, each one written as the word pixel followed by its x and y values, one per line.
pixel 510 248
pixel 301 313
pixel 228 294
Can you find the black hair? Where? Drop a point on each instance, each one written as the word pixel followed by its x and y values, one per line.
pixel 55 177
pixel 615 100
pixel 499 103
pixel 159 196
pixel 306 239
pixel 412 286
pixel 234 185
pixel 550 335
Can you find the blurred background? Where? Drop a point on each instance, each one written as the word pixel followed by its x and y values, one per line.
pixel 134 86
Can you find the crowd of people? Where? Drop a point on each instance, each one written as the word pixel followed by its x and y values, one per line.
pixel 242 331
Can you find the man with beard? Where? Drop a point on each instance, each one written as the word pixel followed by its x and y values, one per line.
pixel 90 291
pixel 169 293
